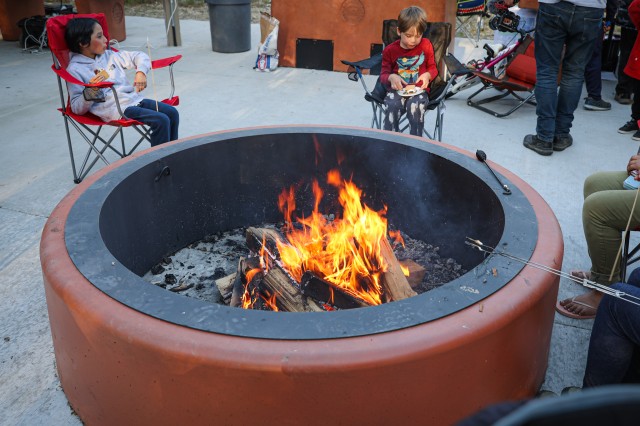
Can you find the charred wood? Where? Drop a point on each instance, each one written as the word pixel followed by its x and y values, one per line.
pixel 240 282
pixel 288 295
pixel 255 237
pixel 326 292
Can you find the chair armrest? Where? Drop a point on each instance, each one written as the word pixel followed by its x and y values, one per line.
pixel 365 64
pixel 64 74
pixel 165 62
pixel 455 67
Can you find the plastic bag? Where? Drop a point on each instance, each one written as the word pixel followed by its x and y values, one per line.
pixel 268 56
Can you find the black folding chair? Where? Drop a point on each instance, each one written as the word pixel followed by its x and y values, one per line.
pixel 439 33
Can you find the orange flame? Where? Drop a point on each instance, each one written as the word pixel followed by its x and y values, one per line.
pixel 248 298
pixel 271 302
pixel 345 251
pixel 405 270
pixel 397 237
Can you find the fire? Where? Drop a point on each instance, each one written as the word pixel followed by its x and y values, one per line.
pixel 345 251
pixel 248 297
pixel 397 238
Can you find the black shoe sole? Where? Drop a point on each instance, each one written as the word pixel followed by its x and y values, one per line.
pixel 562 148
pixel 538 150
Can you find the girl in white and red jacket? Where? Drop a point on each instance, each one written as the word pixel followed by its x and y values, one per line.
pixel 91 62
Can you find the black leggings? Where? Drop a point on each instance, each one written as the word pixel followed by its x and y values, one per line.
pixel 414 107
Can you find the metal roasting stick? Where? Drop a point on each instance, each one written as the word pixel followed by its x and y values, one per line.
pixel 478 245
pixel 480 155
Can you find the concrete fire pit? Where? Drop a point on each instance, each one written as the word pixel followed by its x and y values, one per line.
pixel 127 350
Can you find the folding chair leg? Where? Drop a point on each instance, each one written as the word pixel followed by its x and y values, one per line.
pixel 124 149
pixel 479 104
pixel 87 165
pixel 625 257
pixel 146 135
pixel 376 119
pixel 463 25
pixel 86 168
pixel 76 179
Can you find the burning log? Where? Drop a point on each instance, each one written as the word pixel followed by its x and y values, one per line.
pixel 416 272
pixel 324 291
pixel 394 282
pixel 288 295
pixel 255 237
pixel 313 305
pixel 238 285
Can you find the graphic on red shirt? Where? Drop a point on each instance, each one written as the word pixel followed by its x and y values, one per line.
pixel 409 67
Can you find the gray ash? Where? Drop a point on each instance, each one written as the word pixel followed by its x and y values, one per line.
pixel 193 270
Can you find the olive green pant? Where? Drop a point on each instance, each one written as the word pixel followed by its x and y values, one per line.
pixel 605 214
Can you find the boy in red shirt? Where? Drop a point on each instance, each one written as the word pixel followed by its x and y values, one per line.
pixel 408 61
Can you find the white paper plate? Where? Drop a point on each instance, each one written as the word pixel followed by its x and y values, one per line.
pixel 408 95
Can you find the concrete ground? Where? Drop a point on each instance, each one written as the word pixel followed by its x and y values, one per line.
pixel 222 91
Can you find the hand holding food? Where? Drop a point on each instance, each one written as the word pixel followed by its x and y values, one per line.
pixel 101 75
pixel 424 80
pixel 140 81
pixel 634 164
pixel 396 82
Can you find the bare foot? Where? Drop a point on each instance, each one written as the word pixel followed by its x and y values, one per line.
pixel 584 305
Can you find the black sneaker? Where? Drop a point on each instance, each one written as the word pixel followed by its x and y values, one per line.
pixel 593 104
pixel 560 143
pixel 543 148
pixel 624 98
pixel 636 136
pixel 630 126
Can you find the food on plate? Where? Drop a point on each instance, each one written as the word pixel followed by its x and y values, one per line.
pixel 410 89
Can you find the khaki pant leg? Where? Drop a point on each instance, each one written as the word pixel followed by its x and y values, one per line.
pixel 605 214
pixel 603 181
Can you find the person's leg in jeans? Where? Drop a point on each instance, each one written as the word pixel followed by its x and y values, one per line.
pixel 395 108
pixel 584 28
pixel 593 78
pixel 163 123
pixel 550 37
pixel 416 107
pixel 624 88
pixel 559 24
pixel 614 337
pixel 593 71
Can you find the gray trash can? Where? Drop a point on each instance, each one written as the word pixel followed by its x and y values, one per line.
pixel 230 22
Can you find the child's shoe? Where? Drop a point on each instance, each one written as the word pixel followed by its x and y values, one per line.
pixel 629 127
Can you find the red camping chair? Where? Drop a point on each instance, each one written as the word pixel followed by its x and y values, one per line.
pixel 86 124
pixel 518 80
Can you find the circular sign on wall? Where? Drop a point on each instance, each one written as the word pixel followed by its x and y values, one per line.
pixel 352 11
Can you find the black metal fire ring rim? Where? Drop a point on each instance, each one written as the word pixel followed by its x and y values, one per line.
pixel 94 261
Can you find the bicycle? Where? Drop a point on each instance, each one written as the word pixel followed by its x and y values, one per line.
pixel 497 55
